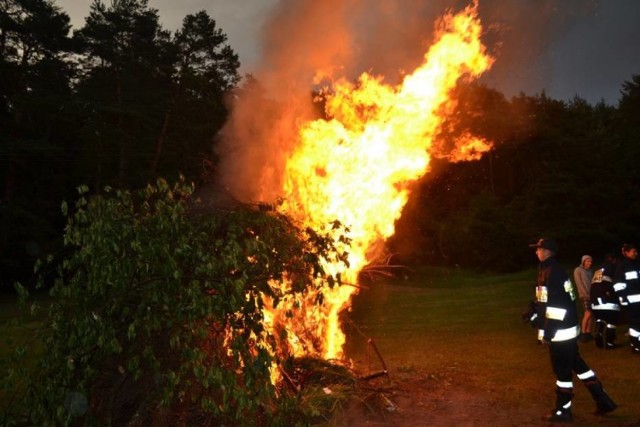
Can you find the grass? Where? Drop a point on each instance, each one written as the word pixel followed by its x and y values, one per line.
pixel 451 320
pixel 17 329
pixel 12 332
pixel 442 321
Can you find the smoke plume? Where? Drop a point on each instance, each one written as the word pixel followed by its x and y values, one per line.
pixel 308 43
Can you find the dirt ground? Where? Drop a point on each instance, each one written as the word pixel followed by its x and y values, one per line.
pixel 450 399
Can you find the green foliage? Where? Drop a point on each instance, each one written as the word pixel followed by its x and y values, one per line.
pixel 156 313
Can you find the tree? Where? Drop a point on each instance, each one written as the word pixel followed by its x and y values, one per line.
pixel 155 101
pixel 127 65
pixel 156 315
pixel 35 131
pixel 629 104
pixel 206 68
pixel 561 169
pixel 628 122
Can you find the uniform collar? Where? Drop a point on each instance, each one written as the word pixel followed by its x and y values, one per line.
pixel 549 261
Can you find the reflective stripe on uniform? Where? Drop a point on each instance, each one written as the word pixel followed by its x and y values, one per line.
pixel 633 333
pixel 566 334
pixel 620 286
pixel 631 275
pixel 541 293
pixel 564 384
pixel 606 306
pixel 555 313
pixel 586 375
pixel 633 298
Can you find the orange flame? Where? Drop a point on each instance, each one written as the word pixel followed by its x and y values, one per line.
pixel 356 167
pixel 467 147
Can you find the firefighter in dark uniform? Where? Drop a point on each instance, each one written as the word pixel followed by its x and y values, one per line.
pixel 605 306
pixel 557 323
pixel 626 284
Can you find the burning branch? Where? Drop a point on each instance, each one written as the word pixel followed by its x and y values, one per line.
pixel 386 269
pixel 287 379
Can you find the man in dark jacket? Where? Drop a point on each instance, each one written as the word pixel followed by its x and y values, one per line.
pixel 605 306
pixel 626 284
pixel 557 323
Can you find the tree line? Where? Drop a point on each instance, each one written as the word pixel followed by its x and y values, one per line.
pixel 559 169
pixel 121 101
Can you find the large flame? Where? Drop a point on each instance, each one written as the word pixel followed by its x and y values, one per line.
pixel 356 167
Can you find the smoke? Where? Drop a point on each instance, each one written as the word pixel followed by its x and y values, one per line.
pixel 524 35
pixel 307 42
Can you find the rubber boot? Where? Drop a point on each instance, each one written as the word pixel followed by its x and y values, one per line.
pixel 562 412
pixel 604 404
pixel 600 329
pixel 610 337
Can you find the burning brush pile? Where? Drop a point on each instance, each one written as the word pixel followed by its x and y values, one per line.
pixel 357 166
pixel 349 175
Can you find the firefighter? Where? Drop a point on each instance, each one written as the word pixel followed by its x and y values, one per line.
pixel 626 284
pixel 605 305
pixel 557 323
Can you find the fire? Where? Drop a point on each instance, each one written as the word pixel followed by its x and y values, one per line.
pixel 467 147
pixel 356 167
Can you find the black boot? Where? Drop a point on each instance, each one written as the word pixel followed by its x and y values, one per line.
pixel 610 337
pixel 600 328
pixel 604 404
pixel 562 412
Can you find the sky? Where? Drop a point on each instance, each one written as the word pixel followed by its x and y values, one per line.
pixel 587 48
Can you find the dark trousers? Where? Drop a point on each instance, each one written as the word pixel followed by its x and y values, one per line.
pixel 566 359
pixel 632 312
pixel 610 317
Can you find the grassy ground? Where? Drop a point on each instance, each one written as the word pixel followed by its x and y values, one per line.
pixel 455 346
pixel 17 328
pixel 466 331
pixel 11 331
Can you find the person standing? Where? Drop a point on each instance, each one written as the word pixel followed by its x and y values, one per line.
pixel 582 276
pixel 557 323
pixel 626 284
pixel 605 306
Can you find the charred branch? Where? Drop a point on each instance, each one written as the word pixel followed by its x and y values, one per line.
pixel 386 268
pixel 373 375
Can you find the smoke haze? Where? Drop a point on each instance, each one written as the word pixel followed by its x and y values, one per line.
pixel 306 41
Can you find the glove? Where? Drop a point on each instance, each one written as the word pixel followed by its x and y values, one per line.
pixel 531 314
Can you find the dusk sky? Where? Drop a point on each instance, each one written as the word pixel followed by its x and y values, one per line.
pixel 564 47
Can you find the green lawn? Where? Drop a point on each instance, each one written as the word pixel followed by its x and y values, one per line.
pixel 17 329
pixel 441 320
